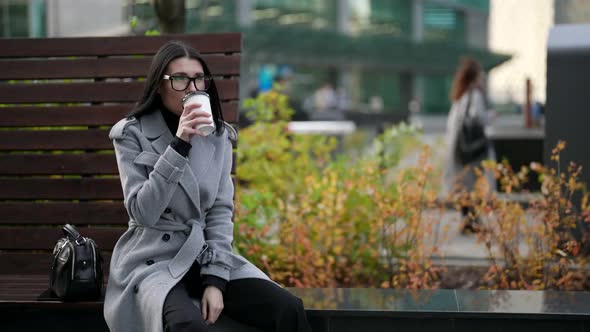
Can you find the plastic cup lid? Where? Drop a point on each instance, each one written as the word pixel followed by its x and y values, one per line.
pixel 194 93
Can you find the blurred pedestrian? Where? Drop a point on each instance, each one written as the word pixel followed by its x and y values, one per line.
pixel 468 108
pixel 325 98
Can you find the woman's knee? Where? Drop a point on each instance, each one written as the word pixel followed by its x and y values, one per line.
pixel 179 312
pixel 290 307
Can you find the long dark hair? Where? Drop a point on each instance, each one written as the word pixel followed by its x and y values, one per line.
pixel 467 73
pixel 150 100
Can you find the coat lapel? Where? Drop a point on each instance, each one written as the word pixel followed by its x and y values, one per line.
pixel 155 129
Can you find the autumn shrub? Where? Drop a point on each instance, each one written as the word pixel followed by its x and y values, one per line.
pixel 539 245
pixel 313 218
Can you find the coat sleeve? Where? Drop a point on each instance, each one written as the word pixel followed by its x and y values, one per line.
pixel 146 196
pixel 219 225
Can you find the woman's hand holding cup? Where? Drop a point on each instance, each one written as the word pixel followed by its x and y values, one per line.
pixel 192 116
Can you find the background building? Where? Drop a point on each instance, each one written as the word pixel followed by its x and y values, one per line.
pixel 572 11
pixel 377 55
pixel 62 18
pixel 380 54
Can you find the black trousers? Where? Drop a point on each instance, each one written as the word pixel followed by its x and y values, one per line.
pixel 254 302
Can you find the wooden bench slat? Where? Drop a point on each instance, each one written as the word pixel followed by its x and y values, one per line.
pixel 11 289
pixel 94 115
pixel 91 92
pixel 31 304
pixel 101 67
pixel 11 298
pixel 109 46
pixel 44 164
pixel 23 294
pixel 91 139
pixel 59 213
pixel 38 189
pixel 24 281
pixel 20 288
pixel 63 164
pixel 30 278
pixel 43 140
pixel 28 263
pixel 44 238
pixel 61 189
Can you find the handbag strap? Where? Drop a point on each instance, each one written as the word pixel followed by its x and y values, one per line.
pixel 468 103
pixel 71 232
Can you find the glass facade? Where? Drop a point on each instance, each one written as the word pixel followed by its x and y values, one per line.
pixel 436 93
pixel 481 5
pixel 318 15
pixel 441 25
pixel 382 17
pixel 379 87
pixel 212 15
pixel 22 18
pixel 14 19
pixel 390 21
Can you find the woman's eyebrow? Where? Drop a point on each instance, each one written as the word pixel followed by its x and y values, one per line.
pixel 183 73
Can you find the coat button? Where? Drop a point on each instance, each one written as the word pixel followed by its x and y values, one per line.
pixel 150 262
pixel 167 210
pixel 165 237
pixel 135 289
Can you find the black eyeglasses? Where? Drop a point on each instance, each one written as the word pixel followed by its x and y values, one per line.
pixel 181 82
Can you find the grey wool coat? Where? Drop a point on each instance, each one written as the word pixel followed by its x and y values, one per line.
pixel 180 212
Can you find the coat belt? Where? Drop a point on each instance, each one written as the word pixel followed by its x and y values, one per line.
pixel 194 248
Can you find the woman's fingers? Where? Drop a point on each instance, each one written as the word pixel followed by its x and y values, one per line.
pixel 204 308
pixel 191 118
pixel 199 113
pixel 196 122
pixel 187 109
pixel 213 314
pixel 190 107
pixel 212 302
pixel 195 114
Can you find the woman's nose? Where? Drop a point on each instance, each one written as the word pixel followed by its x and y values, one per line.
pixel 192 87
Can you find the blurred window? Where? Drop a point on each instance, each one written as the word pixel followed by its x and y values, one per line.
pixel 22 18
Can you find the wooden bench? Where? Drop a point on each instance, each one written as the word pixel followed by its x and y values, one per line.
pixel 58 98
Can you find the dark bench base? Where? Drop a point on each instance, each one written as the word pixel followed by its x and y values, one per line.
pixel 60 318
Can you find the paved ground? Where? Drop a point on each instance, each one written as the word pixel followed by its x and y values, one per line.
pixel 458 248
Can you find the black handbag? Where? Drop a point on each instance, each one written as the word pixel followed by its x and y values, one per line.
pixel 76 273
pixel 472 142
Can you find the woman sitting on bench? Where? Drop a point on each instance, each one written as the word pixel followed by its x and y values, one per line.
pixel 179 196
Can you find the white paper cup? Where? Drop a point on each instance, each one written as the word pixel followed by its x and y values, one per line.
pixel 200 97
